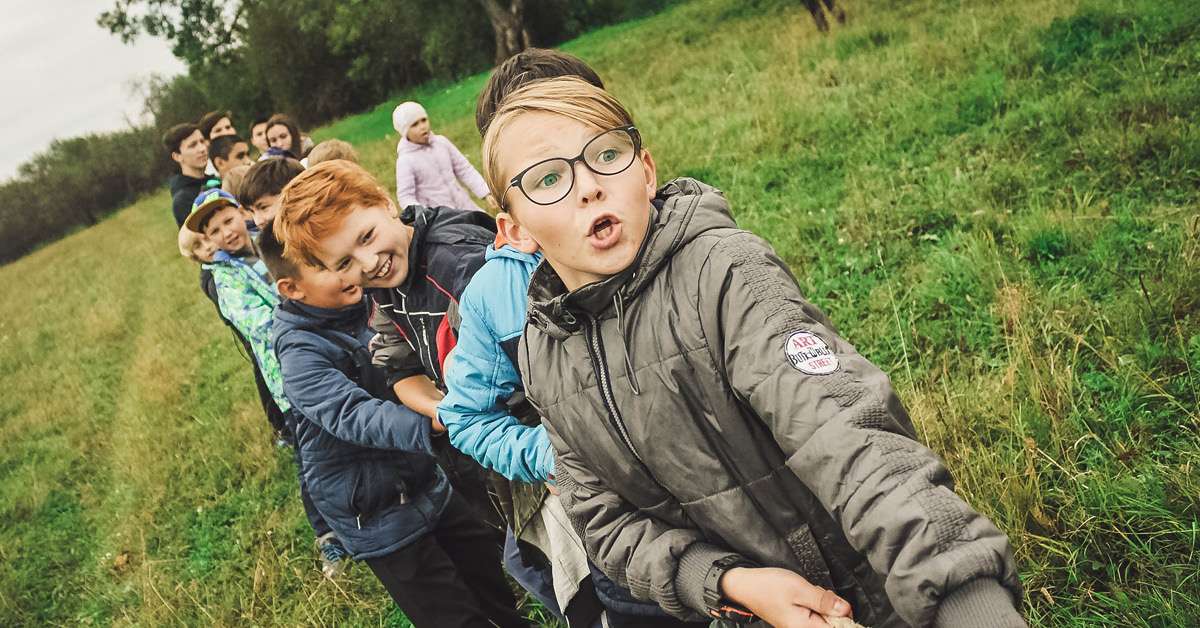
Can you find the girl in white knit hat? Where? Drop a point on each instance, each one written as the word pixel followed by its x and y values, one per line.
pixel 430 168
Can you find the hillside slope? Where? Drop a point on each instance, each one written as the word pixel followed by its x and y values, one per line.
pixel 996 202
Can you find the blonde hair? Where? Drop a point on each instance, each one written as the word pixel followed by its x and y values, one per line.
pixel 569 97
pixel 332 149
pixel 315 203
pixel 188 240
pixel 232 181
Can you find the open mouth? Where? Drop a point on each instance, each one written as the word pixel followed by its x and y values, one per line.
pixel 605 231
pixel 384 270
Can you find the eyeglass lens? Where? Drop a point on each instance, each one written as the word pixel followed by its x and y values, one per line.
pixel 606 154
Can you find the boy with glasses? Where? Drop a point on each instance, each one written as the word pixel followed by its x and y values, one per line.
pixel 720 449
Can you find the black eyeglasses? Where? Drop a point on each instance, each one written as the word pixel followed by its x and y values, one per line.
pixel 551 180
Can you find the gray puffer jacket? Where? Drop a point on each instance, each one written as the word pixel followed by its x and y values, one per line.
pixel 700 406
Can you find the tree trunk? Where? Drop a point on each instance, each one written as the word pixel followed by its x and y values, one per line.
pixel 509 24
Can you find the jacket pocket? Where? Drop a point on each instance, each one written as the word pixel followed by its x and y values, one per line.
pixel 376 487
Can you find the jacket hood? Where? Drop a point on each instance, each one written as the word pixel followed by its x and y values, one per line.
pixel 683 209
pixel 435 225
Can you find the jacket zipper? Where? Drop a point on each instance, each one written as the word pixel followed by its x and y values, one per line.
pixel 425 345
pixel 596 351
pixel 422 342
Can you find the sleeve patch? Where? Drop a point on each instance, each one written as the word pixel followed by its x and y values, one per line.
pixel 809 354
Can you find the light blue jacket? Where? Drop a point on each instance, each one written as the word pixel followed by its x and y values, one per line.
pixel 482 374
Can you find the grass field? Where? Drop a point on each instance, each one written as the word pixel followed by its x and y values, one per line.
pixel 997 202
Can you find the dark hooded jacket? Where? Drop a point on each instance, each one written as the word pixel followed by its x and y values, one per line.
pixel 367 462
pixel 414 319
pixel 700 406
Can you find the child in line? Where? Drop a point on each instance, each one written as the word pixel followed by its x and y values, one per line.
pixel 247 298
pixel 402 519
pixel 483 412
pixel 258 135
pixel 332 206
pixel 332 149
pixel 216 124
pixel 201 250
pixel 187 147
pixel 228 152
pixel 262 185
pixel 232 182
pixel 325 215
pixel 720 448
pixel 429 167
pixel 283 133
pixel 196 247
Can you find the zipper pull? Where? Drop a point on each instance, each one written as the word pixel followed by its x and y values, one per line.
pixel 358 520
pixel 403 498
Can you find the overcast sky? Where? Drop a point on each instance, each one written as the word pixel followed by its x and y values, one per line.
pixel 62 75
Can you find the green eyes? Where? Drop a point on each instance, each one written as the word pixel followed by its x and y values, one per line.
pixel 549 180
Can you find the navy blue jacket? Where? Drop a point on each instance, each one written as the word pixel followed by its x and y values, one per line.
pixel 367 462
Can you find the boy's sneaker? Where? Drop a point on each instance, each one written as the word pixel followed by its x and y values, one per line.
pixel 334 557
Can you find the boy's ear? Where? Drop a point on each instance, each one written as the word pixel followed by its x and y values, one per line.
pixel 288 289
pixel 177 157
pixel 651 173
pixel 514 234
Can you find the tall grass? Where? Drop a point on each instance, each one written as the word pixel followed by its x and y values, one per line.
pixel 997 202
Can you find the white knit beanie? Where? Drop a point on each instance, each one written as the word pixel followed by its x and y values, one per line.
pixel 405 114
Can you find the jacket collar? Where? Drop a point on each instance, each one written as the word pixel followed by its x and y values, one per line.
pixel 509 252
pixel 348 319
pixel 405 146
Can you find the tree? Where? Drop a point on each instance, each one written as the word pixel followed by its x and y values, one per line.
pixel 509 23
pixel 200 31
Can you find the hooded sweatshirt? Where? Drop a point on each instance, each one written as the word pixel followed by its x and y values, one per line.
pixel 700 407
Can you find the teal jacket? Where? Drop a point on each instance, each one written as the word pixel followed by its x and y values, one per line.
pixel 247 298
pixel 482 377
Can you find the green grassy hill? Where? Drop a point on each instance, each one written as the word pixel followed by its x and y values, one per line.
pixel 996 202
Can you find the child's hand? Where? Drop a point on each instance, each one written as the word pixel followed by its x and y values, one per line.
pixel 782 598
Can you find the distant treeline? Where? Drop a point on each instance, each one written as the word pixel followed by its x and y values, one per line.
pixel 314 59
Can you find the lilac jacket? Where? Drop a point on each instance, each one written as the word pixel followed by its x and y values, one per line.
pixel 428 174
